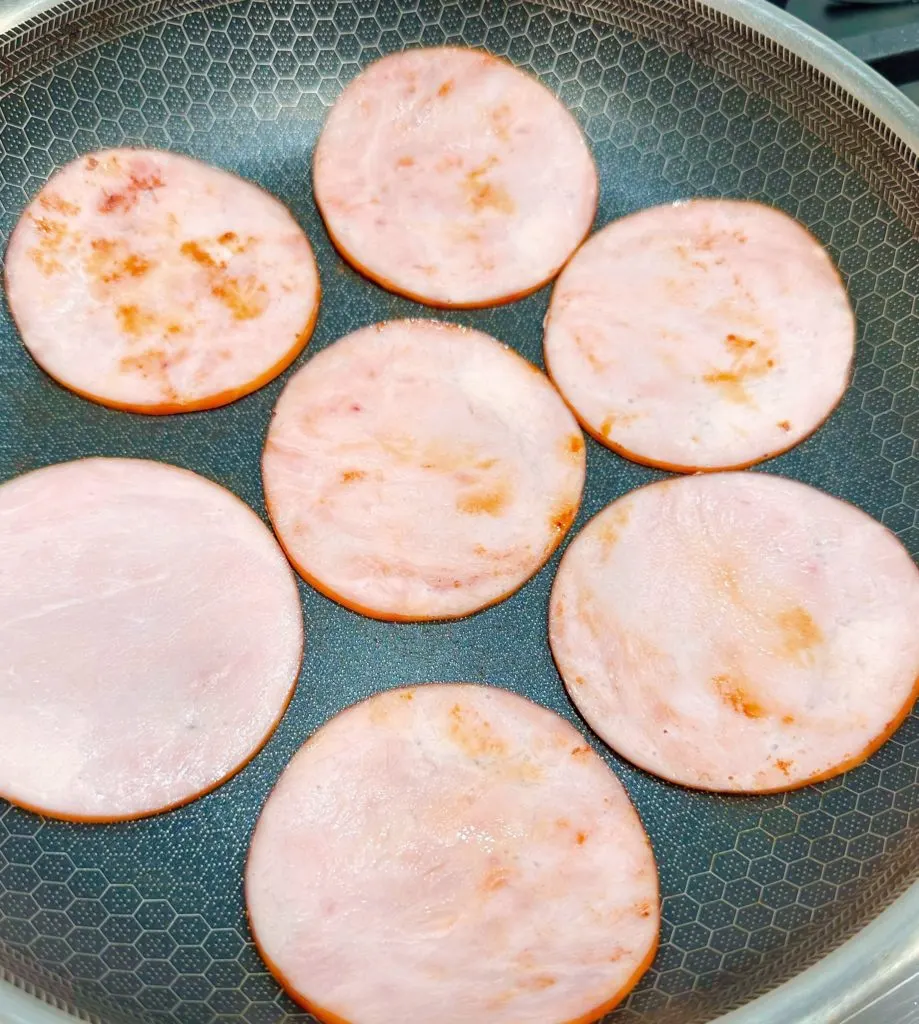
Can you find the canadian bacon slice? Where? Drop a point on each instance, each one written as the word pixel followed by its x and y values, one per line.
pixel 419 470
pixel 151 635
pixel 710 334
pixel 151 282
pixel 452 177
pixel 738 632
pixel 452 852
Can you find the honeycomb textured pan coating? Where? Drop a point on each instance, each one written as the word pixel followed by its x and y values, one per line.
pixel 144 922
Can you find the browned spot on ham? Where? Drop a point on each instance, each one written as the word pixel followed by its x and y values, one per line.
pixel 405 161
pixel 350 475
pixel 580 752
pixel 784 425
pixel 489 501
pixel 201 256
pixel 784 766
pixel 588 353
pixel 125 198
pixel 500 119
pixel 788 719
pixel 246 298
pixel 496 879
pixel 735 696
pixel 800 634
pixel 617 419
pixel 152 359
pixel 154 363
pixel 581 838
pixel 737 345
pixel 562 519
pixel 611 527
pixel 58 204
pixel 473 735
pixel 53 234
pixel 643 909
pixel 575 444
pixel 446 88
pixel 540 982
pixel 751 360
pixel 110 261
pixel 134 320
pixel 485 195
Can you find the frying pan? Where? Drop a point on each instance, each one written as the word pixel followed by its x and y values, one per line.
pixel 805 899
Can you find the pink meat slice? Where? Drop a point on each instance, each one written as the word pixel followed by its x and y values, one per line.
pixel 151 635
pixel 451 177
pixel 456 853
pixel 706 335
pixel 419 470
pixel 151 282
pixel 738 632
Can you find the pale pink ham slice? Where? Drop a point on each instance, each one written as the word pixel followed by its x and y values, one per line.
pixel 706 335
pixel 151 635
pixel 419 470
pixel 738 632
pixel 151 282
pixel 452 177
pixel 452 853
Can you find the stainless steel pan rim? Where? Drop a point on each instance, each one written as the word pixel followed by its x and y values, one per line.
pixel 874 976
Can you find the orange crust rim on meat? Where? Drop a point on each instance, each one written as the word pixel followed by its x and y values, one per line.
pixel 208 401
pixel 500 300
pixel 380 616
pixel 256 750
pixel 671 467
pixel 371 613
pixel 201 404
pixel 871 748
pixel 330 1017
pixel 389 286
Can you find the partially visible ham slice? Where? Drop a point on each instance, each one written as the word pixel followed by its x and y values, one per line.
pixel 705 335
pixel 151 634
pixel 450 176
pixel 738 632
pixel 420 470
pixel 452 853
pixel 154 283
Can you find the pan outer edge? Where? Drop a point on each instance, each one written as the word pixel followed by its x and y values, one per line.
pixel 873 978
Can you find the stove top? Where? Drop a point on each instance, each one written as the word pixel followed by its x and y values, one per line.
pixel 886 35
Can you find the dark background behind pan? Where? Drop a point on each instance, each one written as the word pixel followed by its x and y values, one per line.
pixel 145 921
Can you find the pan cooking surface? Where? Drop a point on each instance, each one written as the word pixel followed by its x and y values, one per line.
pixel 145 922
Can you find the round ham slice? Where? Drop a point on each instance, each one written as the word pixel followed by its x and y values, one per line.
pixel 151 635
pixel 711 334
pixel 449 176
pixel 151 282
pixel 418 470
pixel 452 853
pixel 738 632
